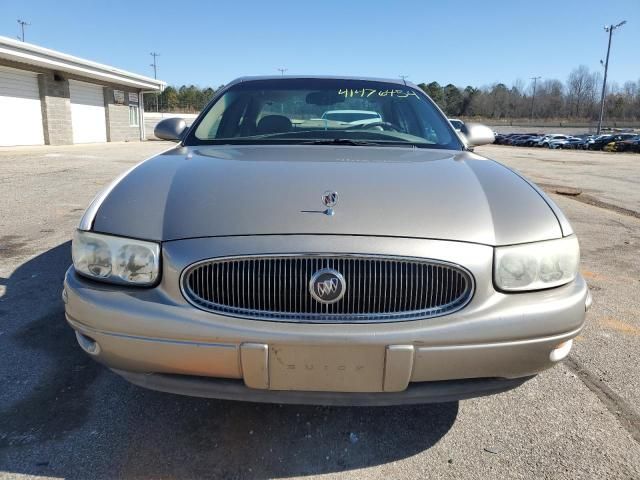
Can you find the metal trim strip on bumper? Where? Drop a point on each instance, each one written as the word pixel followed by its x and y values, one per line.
pixel 416 393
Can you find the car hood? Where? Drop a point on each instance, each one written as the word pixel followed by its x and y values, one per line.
pixel 227 190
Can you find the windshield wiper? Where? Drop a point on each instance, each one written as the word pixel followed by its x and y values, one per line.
pixel 340 141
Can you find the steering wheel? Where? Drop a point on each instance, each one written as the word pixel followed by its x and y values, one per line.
pixel 384 125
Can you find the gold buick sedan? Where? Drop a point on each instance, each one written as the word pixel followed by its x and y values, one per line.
pixel 324 240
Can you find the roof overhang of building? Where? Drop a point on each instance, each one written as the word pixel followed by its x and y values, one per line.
pixel 30 54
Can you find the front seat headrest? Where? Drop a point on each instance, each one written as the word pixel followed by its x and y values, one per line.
pixel 273 124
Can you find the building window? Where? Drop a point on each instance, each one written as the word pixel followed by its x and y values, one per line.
pixel 134 120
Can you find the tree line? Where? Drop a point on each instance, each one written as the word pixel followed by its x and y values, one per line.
pixel 578 98
pixel 184 99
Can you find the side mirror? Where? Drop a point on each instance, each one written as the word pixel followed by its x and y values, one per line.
pixel 478 134
pixel 171 129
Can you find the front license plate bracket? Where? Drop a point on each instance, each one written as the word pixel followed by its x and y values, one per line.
pixel 326 368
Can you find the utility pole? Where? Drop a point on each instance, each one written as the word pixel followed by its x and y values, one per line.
pixel 22 24
pixel 282 70
pixel 533 97
pixel 404 79
pixel 155 72
pixel 609 29
pixel 154 64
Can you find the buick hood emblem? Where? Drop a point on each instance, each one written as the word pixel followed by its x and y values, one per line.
pixel 327 286
pixel 330 199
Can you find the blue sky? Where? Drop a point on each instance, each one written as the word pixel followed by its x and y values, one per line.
pixel 462 42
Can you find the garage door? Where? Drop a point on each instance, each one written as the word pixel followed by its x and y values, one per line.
pixel 20 111
pixel 87 112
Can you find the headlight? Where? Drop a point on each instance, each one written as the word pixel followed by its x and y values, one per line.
pixel 535 266
pixel 116 259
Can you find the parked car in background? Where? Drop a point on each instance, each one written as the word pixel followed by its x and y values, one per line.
pixel 503 138
pixel 612 142
pixel 457 124
pixel 600 142
pixel 351 116
pixel 533 140
pixel 571 143
pixel 560 142
pixel 274 260
pixel 587 137
pixel 584 142
pixel 510 138
pixel 544 141
pixel 628 145
pixel 522 141
pixel 519 139
pixel 593 139
pixel 526 140
pixel 633 147
pixel 506 138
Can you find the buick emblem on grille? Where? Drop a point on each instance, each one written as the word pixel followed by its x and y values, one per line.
pixel 327 286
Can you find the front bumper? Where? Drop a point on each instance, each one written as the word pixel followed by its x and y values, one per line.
pixel 154 338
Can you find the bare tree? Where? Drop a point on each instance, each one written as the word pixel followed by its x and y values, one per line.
pixel 581 89
pixel 550 102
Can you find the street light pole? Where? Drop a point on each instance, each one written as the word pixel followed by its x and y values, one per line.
pixel 609 29
pixel 282 70
pixel 533 97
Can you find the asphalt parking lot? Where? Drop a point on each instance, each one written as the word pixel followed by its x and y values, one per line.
pixel 62 415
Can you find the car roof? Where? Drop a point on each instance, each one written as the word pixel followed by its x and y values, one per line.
pixel 397 81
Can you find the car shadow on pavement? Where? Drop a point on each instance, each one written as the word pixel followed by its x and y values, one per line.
pixel 64 415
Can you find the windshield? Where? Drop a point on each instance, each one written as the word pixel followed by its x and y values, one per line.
pixel 310 111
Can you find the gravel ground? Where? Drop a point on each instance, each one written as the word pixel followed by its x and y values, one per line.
pixel 62 415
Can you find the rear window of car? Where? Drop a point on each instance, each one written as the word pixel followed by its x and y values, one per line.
pixel 349 116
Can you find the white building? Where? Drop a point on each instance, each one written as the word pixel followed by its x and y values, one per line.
pixel 48 97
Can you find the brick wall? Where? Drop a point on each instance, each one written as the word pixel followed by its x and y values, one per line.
pixel 118 128
pixel 56 109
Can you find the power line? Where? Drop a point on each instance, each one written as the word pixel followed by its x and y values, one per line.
pixel 282 70
pixel 533 97
pixel 22 24
pixel 609 29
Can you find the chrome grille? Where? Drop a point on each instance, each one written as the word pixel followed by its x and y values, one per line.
pixel 378 289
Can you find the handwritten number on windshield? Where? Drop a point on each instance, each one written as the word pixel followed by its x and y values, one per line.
pixel 368 92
